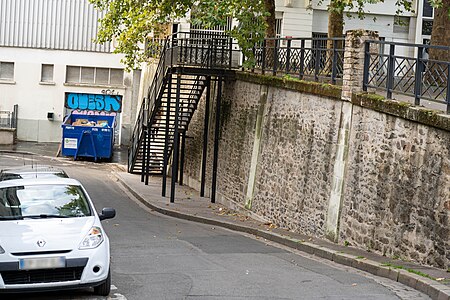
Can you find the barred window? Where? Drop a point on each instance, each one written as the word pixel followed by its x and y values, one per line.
pixel 6 70
pixel 94 75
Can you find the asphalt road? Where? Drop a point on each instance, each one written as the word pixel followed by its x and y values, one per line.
pixel 159 257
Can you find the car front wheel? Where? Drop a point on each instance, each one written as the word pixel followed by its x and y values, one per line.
pixel 104 288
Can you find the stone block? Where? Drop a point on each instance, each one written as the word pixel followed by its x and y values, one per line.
pixel 343 259
pixel 324 253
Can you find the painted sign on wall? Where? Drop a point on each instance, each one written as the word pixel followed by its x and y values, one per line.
pixel 98 102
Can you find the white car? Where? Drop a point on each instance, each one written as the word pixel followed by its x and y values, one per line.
pixel 51 237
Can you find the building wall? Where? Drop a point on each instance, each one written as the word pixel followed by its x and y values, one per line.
pixel 277 154
pixel 297 19
pixel 60 33
pixel 35 99
pixel 63 25
pixel 378 17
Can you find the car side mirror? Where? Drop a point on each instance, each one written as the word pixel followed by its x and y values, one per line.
pixel 107 213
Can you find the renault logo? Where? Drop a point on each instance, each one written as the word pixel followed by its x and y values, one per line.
pixel 40 243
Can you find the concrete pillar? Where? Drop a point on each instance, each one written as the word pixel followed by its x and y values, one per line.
pixel 354 61
pixel 129 104
pixel 352 83
pixel 256 146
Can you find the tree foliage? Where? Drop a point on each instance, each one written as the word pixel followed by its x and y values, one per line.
pixel 129 23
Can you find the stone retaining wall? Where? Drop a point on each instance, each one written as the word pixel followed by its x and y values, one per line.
pixel 285 153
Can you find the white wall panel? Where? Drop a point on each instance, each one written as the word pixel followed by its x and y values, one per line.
pixel 50 24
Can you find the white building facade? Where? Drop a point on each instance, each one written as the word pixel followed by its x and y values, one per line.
pixel 47 55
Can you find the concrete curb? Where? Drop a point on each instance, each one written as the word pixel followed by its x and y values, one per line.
pixel 425 285
pixel 18 152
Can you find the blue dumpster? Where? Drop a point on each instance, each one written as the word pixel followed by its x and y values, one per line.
pixel 88 136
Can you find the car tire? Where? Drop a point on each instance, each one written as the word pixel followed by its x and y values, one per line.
pixel 105 288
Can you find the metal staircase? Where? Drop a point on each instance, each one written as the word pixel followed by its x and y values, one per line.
pixel 186 64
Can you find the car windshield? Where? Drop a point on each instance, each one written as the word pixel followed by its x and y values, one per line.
pixel 43 201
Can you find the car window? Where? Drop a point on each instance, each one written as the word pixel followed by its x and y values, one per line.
pixel 10 176
pixel 43 201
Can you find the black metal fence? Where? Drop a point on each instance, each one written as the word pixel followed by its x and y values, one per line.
pixel 406 69
pixel 400 69
pixel 305 58
pixel 8 119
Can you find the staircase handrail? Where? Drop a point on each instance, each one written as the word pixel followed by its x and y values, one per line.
pixel 146 105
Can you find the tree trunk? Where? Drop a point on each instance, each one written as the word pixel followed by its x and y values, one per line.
pixel 270 20
pixel 335 30
pixel 335 19
pixel 440 34
pixel 270 33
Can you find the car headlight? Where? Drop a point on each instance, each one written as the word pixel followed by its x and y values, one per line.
pixel 2 250
pixel 93 239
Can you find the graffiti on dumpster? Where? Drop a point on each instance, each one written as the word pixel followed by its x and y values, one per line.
pixel 95 102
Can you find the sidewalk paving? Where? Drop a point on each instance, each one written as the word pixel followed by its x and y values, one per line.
pixel 190 206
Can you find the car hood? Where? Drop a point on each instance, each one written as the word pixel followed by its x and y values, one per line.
pixel 42 235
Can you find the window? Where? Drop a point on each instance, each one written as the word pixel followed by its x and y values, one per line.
pixel 94 75
pixel 47 73
pixel 87 75
pixel 401 24
pixel 427 20
pixel 116 76
pixel 6 70
pixel 427 27
pixel 427 9
pixel 278 23
pixel 73 74
pixel 102 76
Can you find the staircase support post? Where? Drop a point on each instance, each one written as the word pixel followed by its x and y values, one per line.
pixel 166 139
pixel 147 164
pixel 216 140
pixel 176 144
pixel 144 149
pixel 183 148
pixel 205 136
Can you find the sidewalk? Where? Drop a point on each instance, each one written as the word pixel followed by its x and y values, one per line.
pixel 190 206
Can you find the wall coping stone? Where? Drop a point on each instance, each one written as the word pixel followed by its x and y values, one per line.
pixel 291 83
pixel 371 101
pixel 403 110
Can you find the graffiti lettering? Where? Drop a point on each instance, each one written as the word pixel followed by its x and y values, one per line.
pixel 98 102
pixel 110 92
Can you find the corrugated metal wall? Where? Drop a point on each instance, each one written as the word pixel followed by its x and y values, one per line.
pixel 50 24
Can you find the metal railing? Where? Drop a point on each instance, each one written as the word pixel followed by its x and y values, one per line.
pixel 305 58
pixel 180 49
pixel 405 69
pixel 8 119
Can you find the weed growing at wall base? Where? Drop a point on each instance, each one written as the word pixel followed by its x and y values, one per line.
pixel 409 270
